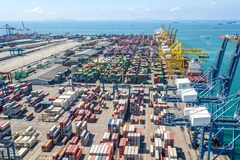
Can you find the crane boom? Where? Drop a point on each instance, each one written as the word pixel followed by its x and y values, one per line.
pixel 231 71
pixel 220 58
pixel 23 25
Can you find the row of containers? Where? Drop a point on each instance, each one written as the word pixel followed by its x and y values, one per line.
pixel 163 144
pixel 157 69
pixel 130 144
pixel 9 96
pixel 114 68
pixel 35 98
pixel 137 101
pixel 120 109
pixel 62 133
pixel 102 151
pixel 28 138
pixel 137 119
pixel 68 152
pixel 14 92
pixel 84 74
pixel 82 115
pixel 57 105
pixel 136 40
pixel 71 152
pixel 160 111
pixel 138 71
pixel 5 129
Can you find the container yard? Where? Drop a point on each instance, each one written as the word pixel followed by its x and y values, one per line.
pixel 113 97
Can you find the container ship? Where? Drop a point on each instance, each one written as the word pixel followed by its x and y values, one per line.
pixel 232 38
pixel 195 71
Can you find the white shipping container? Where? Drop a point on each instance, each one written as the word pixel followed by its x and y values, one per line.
pixel 29 129
pixel 152 150
pixel 22 152
pixel 31 142
pixel 157 155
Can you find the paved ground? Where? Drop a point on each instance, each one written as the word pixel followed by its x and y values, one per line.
pixel 17 62
pixel 181 137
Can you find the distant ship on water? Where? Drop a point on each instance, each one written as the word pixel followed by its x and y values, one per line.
pixel 231 22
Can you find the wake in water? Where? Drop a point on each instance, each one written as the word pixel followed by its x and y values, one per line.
pixel 204 37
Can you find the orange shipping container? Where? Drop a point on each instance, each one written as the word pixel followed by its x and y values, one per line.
pixel 62 153
pixel 75 150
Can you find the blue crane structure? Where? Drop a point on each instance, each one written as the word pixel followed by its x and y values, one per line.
pixel 9 29
pixel 206 89
pixel 212 75
pixel 224 82
pixel 108 79
pixel 14 50
pixel 218 106
pixel 74 81
pixel 7 144
pixel 215 129
pixel 213 72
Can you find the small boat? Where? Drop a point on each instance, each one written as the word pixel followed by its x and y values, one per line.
pixel 220 23
pixel 203 56
pixel 204 37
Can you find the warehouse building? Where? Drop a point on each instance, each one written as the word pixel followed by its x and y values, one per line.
pixel 49 76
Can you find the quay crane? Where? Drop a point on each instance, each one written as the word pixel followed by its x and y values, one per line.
pixel 9 29
pixel 24 28
pixel 218 123
pixel 213 72
pixel 224 82
pixel 174 59
pixel 166 36
pixel 217 107
pixel 206 89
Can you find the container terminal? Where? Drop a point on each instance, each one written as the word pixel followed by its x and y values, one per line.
pixel 114 97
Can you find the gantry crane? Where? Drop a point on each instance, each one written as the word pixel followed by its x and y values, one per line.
pixel 224 82
pixel 168 37
pixel 174 59
pixel 9 29
pixel 215 128
pixel 213 72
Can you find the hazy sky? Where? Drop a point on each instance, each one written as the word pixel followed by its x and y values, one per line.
pixel 119 9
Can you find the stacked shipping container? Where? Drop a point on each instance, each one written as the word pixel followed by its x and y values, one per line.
pixel 5 129
pixel 65 127
pixel 120 109
pixel 54 134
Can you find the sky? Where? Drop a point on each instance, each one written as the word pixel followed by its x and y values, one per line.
pixel 27 10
